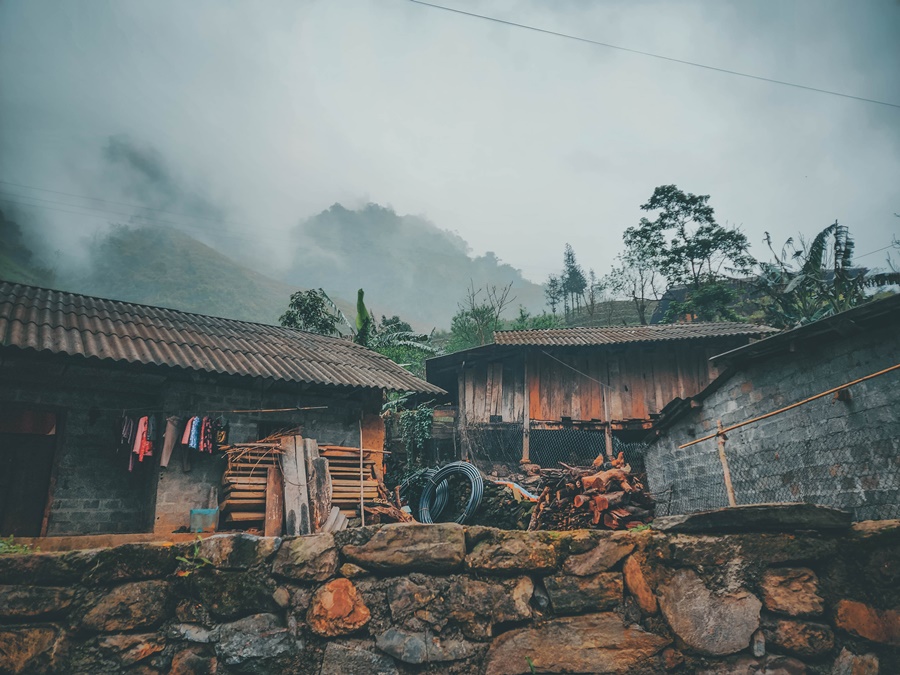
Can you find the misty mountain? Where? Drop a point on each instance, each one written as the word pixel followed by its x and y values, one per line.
pixel 406 264
pixel 18 259
pixel 165 267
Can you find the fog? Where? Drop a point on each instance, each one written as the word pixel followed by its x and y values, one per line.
pixel 240 121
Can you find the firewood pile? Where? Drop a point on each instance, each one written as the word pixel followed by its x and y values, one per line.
pixel 606 497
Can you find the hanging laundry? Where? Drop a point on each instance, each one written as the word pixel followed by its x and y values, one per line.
pixel 186 436
pixel 173 434
pixel 194 441
pixel 127 433
pixel 141 443
pixel 220 433
pixel 206 436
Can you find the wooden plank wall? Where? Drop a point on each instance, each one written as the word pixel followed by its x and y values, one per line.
pixel 644 379
pixel 494 388
pixel 639 381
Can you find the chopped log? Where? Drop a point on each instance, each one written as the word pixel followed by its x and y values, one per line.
pixel 384 513
pixel 296 493
pixel 274 503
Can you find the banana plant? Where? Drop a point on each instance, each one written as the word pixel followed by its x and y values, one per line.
pixel 808 282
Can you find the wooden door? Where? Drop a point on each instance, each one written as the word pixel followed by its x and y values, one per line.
pixel 26 462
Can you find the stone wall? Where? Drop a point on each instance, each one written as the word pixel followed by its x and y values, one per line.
pixel 386 600
pixel 837 453
pixel 95 494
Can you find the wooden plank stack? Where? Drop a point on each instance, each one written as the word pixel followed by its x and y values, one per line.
pixel 244 485
pixel 344 469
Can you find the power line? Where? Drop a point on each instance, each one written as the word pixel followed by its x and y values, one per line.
pixel 115 203
pixel 651 54
pixel 106 215
pixel 877 250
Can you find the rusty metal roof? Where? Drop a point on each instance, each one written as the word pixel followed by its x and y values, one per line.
pixel 79 325
pixel 590 337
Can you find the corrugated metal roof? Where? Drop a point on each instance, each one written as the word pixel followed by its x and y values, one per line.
pixel 80 325
pixel 588 337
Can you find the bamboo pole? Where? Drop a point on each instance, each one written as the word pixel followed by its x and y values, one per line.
pixel 729 488
pixel 789 407
pixel 362 504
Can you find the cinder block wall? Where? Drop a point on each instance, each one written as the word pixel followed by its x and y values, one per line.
pixel 841 454
pixel 94 492
pixel 178 491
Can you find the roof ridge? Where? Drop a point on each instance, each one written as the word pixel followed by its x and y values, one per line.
pixel 158 307
pixel 46 320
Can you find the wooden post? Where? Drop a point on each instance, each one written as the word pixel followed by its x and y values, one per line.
pixel 318 479
pixel 362 504
pixel 274 503
pixel 461 412
pixel 296 492
pixel 729 488
pixel 609 440
pixel 526 421
pixel 608 430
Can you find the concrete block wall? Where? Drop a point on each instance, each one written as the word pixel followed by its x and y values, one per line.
pixel 178 491
pixel 842 454
pixel 94 492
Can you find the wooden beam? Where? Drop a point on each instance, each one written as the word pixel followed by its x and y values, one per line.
pixel 274 503
pixel 296 492
pixel 729 488
pixel 526 422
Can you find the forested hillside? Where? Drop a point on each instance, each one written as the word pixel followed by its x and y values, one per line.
pixel 406 264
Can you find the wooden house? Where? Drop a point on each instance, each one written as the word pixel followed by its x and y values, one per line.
pixel 73 368
pixel 579 381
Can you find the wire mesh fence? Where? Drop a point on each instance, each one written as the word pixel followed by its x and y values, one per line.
pixel 490 445
pixel 811 470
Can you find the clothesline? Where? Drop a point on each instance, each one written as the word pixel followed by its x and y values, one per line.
pixel 152 411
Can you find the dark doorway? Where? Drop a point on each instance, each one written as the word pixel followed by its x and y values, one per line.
pixel 27 452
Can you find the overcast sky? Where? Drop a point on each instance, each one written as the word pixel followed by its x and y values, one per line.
pixel 518 141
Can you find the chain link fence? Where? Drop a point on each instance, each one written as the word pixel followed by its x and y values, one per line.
pixel 865 482
pixel 492 445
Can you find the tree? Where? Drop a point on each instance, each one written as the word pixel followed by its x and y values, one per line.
pixel 311 311
pixel 553 292
pixel 686 246
pixel 573 281
pixel 526 321
pixel 807 282
pixel 636 280
pixel 479 315
pixel 314 311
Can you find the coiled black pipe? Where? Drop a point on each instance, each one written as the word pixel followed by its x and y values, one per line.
pixel 439 478
pixel 442 492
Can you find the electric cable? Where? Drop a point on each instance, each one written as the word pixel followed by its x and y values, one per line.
pixel 652 55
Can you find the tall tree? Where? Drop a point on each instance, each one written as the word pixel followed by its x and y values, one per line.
pixel 553 292
pixel 686 245
pixel 573 280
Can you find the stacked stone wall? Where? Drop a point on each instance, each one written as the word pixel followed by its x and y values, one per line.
pixel 401 599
